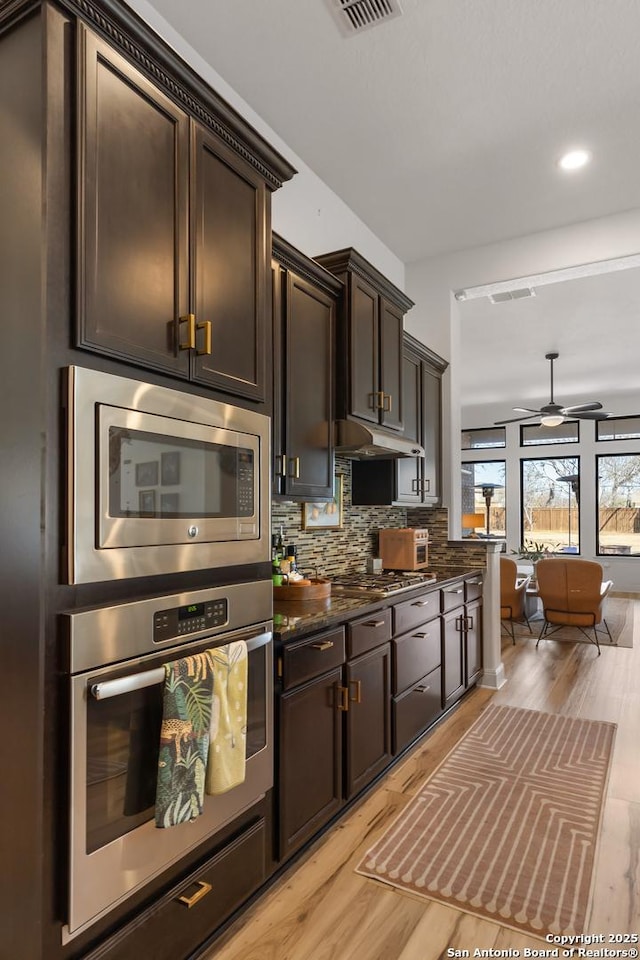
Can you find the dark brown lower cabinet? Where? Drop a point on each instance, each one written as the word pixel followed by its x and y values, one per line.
pixel 416 709
pixel 310 764
pixel 334 723
pixel 461 649
pixel 368 718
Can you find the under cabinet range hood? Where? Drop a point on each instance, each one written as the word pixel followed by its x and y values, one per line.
pixel 357 441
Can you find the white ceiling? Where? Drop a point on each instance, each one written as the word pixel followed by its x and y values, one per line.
pixel 441 129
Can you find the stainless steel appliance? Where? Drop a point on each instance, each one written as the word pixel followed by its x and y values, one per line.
pixel 161 481
pixel 404 548
pixel 379 584
pixel 116 664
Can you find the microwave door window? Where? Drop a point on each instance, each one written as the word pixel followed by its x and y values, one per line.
pixel 166 477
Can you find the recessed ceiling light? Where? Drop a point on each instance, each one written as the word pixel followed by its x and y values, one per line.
pixel 574 159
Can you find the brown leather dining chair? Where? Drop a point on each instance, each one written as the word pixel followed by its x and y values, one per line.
pixel 513 591
pixel 572 593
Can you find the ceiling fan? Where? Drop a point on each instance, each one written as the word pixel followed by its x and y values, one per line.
pixel 552 414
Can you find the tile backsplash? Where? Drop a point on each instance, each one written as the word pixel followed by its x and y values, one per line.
pixel 347 549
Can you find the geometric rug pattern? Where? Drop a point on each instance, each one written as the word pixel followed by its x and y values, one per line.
pixel 506 828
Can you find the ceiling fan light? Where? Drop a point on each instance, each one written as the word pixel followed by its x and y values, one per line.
pixel 553 420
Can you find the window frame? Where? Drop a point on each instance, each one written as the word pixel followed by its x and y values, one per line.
pixel 549 443
pixel 474 463
pixel 599 439
pixel 597 458
pixel 491 446
pixel 529 536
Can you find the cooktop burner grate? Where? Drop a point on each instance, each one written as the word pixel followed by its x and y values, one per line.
pixel 379 584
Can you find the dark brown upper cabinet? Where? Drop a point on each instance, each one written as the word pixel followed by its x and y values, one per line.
pixel 369 342
pixel 304 309
pixel 173 233
pixel 409 480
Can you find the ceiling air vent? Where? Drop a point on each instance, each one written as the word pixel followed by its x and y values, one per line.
pixel 505 295
pixel 354 16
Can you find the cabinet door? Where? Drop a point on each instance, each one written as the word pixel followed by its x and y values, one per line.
pixel 453 676
pixel 391 328
pixel 364 339
pixel 308 373
pixel 133 167
pixel 278 295
pixel 473 641
pixel 310 764
pixel 431 402
pixel 229 268
pixel 409 469
pixel 368 718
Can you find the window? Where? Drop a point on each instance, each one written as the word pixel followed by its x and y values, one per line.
pixel 483 497
pixel 551 503
pixel 532 434
pixel 619 504
pixel 618 428
pixel 483 438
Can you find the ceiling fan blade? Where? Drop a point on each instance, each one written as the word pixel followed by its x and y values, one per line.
pixel 498 423
pixel 526 410
pixel 590 415
pixel 579 407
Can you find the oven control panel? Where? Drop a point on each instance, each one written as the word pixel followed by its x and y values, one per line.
pixel 189 619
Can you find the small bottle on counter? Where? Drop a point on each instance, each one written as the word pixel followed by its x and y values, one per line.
pixel 291 557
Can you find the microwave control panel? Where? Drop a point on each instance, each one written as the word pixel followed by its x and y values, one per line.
pixel 193 618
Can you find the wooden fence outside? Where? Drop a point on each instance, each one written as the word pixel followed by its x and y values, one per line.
pixel 612 520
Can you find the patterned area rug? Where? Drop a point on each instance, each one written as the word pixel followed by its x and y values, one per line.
pixel 506 827
pixel 618 612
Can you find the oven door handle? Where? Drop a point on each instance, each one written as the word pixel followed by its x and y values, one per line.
pixel 137 681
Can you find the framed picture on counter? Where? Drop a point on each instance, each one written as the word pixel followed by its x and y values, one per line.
pixel 327 514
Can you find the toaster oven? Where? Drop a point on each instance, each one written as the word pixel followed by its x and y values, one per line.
pixel 404 548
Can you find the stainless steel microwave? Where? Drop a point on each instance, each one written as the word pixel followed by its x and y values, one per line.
pixel 161 481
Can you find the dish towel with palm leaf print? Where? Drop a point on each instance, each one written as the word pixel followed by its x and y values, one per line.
pixel 228 746
pixel 184 739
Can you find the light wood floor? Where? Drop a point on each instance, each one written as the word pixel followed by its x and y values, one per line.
pixel 321 909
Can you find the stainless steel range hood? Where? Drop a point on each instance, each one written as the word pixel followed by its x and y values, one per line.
pixel 359 442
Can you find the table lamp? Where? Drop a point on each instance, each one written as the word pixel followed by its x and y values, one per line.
pixel 471 521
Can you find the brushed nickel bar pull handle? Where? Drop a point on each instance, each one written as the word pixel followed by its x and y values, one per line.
pixel 358 686
pixel 190 342
pixel 136 681
pixel 421 635
pixel 426 486
pixel 373 623
pixel 414 486
pixel 189 902
pixel 374 401
pixel 324 645
pixel 281 464
pixel 420 603
pixel 343 693
pixel 454 593
pixel 206 350
pixel 468 623
pixel 422 689
pixel 385 397
pixel 474 583
pixel 459 624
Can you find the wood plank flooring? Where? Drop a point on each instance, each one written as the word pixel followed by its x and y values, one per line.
pixel 321 909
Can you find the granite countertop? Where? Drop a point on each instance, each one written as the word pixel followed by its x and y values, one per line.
pixel 293 619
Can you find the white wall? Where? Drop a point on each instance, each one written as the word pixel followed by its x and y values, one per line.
pixel 304 211
pixel 436 319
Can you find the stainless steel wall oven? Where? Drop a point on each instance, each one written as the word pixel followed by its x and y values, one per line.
pixel 161 481
pixel 117 655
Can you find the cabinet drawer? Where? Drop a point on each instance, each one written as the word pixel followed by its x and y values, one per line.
pixel 304 659
pixel 473 588
pixel 411 613
pixel 370 632
pixel 416 709
pixel 176 925
pixel 452 596
pixel 415 654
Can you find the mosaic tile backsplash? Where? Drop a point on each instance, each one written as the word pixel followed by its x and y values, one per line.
pixel 347 549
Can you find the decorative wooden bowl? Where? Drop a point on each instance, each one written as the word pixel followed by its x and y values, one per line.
pixel 313 590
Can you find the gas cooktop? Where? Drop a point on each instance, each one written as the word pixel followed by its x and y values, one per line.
pixel 379 584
